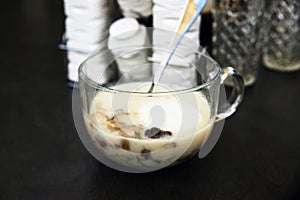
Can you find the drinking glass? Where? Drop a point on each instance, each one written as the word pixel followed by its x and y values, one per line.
pixel 282 39
pixel 236 29
pixel 132 130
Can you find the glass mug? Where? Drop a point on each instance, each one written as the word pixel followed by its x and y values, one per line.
pixel 132 130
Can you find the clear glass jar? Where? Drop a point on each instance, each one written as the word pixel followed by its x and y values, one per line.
pixel 282 42
pixel 236 29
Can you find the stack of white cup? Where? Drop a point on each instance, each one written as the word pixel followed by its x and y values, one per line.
pixel 86 28
pixel 136 8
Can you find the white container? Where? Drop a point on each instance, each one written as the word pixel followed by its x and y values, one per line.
pixel 136 8
pixel 125 35
pixel 86 27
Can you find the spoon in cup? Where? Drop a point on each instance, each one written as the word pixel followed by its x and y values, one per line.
pixel 191 13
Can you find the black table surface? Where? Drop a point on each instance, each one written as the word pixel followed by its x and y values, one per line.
pixel 42 157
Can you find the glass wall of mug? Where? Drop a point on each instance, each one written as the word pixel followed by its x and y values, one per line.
pixel 133 130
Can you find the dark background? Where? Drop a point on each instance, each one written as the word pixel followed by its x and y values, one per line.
pixel 42 157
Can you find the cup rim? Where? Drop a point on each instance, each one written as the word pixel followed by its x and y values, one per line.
pixel 95 85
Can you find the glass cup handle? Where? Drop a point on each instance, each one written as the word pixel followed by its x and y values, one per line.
pixel 236 95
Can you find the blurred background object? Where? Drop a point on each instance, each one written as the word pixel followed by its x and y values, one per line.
pixel 236 31
pixel 281 50
pixel 136 8
pixel 208 7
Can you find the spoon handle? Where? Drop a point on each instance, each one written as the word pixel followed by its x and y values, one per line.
pixel 195 10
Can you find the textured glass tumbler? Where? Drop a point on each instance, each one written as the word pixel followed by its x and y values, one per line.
pixel 282 41
pixel 236 31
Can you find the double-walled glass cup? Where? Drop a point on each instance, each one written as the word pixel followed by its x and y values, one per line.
pixel 133 130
